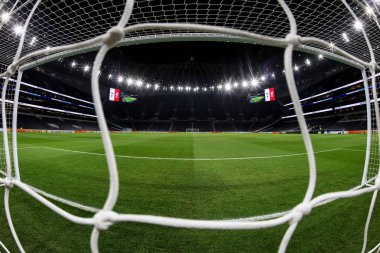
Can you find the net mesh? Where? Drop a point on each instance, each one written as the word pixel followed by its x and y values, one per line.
pixel 65 22
pixel 347 31
pixel 373 167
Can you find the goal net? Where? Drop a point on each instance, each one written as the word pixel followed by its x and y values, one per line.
pixel 192 130
pixel 33 33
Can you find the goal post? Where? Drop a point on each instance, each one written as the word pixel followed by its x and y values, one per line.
pixel 143 22
pixel 192 130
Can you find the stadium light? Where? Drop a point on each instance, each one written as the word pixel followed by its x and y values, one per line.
pixel 109 76
pixel 345 37
pixel 244 84
pixel 18 29
pixel 120 79
pixel 73 64
pixel 148 86
pixel 204 89
pixel 254 82
pixel 5 17
pixel 227 87
pixel 47 48
pixel 263 78
pixel 236 84
pixel 86 68
pixel 156 86
pixel 332 45
pixel 171 87
pixel 358 25
pixel 219 87
pixel 129 81
pixel 369 10
pixel 308 62
pixel 320 56
pixel 33 41
pixel 187 88
pixel 139 83
pixel 99 72
pixel 296 68
pixel 180 88
pixel 273 75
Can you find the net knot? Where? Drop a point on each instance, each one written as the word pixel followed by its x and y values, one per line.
pixel 373 66
pixel 293 39
pixel 377 181
pixel 103 219
pixel 8 183
pixel 113 35
pixel 300 211
pixel 11 70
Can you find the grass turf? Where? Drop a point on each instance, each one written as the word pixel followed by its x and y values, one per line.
pixel 200 189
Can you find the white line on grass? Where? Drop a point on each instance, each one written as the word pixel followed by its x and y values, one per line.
pixel 352 149
pixel 183 159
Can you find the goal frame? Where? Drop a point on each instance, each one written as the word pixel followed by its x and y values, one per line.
pixel 192 130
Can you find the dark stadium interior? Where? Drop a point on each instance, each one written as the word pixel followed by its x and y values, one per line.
pixel 190 64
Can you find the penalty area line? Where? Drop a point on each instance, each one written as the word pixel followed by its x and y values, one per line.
pixel 183 158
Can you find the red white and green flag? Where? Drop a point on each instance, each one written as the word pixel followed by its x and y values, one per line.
pixel 114 95
pixel 270 95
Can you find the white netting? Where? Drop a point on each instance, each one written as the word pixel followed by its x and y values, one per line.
pixel 69 27
pixel 374 155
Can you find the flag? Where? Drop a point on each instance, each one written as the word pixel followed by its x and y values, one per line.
pixel 270 95
pixel 114 95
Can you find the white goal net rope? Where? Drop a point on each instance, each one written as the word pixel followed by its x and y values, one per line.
pixel 49 30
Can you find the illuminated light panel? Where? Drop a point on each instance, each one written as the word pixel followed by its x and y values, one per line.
pixel 5 17
pixel 18 29
pixel 33 41
pixel 130 81
pixel 358 25
pixel 369 10
pixel 345 37
pixel 254 82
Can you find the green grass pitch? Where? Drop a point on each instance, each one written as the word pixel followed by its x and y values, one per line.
pixel 274 179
